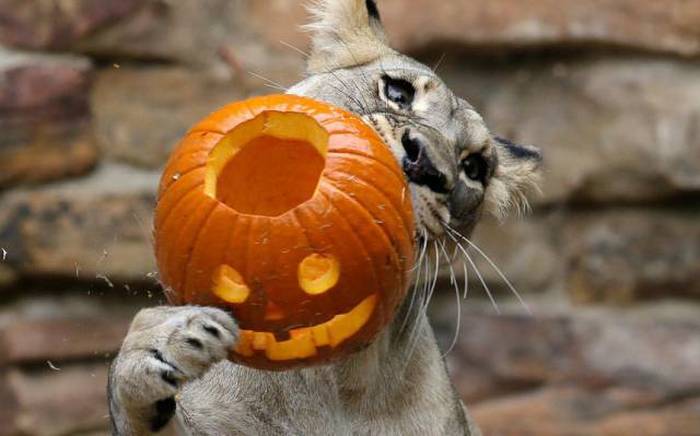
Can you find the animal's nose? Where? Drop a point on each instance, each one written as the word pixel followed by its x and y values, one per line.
pixel 418 167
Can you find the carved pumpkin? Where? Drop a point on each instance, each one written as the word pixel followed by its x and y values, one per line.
pixel 294 216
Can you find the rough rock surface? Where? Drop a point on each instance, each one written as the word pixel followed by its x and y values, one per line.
pixel 608 262
pixel 54 24
pixel 44 116
pixel 185 30
pixel 631 255
pixel 93 228
pixel 611 130
pixel 578 372
pixel 140 114
pixel 670 26
pixel 67 400
pixel 667 27
pixel 574 411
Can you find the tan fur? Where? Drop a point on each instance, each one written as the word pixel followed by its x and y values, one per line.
pixel 172 356
pixel 513 181
pixel 344 35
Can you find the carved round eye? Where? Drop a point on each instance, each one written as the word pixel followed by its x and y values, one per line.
pixel 475 167
pixel 399 91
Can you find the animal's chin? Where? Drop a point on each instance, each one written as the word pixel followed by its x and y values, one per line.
pixel 430 215
pixel 431 227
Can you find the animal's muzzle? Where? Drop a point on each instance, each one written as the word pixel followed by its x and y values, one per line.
pixel 418 167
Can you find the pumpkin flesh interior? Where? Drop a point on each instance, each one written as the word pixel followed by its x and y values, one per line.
pixel 268 165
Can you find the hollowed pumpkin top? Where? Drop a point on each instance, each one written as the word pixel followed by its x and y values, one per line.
pixel 293 215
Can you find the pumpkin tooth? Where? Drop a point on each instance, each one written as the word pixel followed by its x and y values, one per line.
pixel 344 326
pixel 261 340
pixel 244 345
pixel 304 341
pixel 301 347
pixel 320 335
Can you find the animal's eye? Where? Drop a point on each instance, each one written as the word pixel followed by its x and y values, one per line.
pixel 475 167
pixel 399 91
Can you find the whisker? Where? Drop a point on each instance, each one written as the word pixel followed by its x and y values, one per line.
pixel 453 277
pixel 454 254
pixel 466 279
pixel 435 275
pixel 438 63
pixel 295 48
pixel 346 94
pixel 357 62
pixel 449 231
pixel 497 269
pixel 413 335
pixel 459 303
pixel 422 251
pixel 269 82
pixel 409 311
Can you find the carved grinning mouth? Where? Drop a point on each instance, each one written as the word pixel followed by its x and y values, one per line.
pixel 305 341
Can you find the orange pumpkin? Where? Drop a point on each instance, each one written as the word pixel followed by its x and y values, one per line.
pixel 294 216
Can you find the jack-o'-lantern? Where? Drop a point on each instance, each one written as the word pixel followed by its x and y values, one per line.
pixel 294 216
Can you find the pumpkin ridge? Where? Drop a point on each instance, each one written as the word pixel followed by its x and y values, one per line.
pixel 183 173
pixel 379 191
pixel 304 230
pixel 358 206
pixel 328 123
pixel 164 188
pixel 188 146
pixel 229 239
pixel 264 228
pixel 312 217
pixel 162 249
pixel 360 242
pixel 232 110
pixel 162 221
pixel 307 219
pixel 373 159
pixel 242 255
pixel 212 221
pixel 398 244
pixel 196 241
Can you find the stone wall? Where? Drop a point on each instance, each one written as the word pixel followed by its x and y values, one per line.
pixel 94 93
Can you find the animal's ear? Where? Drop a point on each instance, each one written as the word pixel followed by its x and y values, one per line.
pixel 345 33
pixel 517 173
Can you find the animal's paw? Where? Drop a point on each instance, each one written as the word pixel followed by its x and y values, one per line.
pixel 166 347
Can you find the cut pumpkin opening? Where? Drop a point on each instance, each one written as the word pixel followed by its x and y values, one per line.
pixel 268 165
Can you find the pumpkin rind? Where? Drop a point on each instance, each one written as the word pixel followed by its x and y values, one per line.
pixel 355 233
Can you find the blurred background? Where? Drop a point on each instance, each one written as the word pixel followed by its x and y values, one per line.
pixel 94 93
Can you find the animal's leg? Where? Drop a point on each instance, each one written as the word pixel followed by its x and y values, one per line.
pixel 165 347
